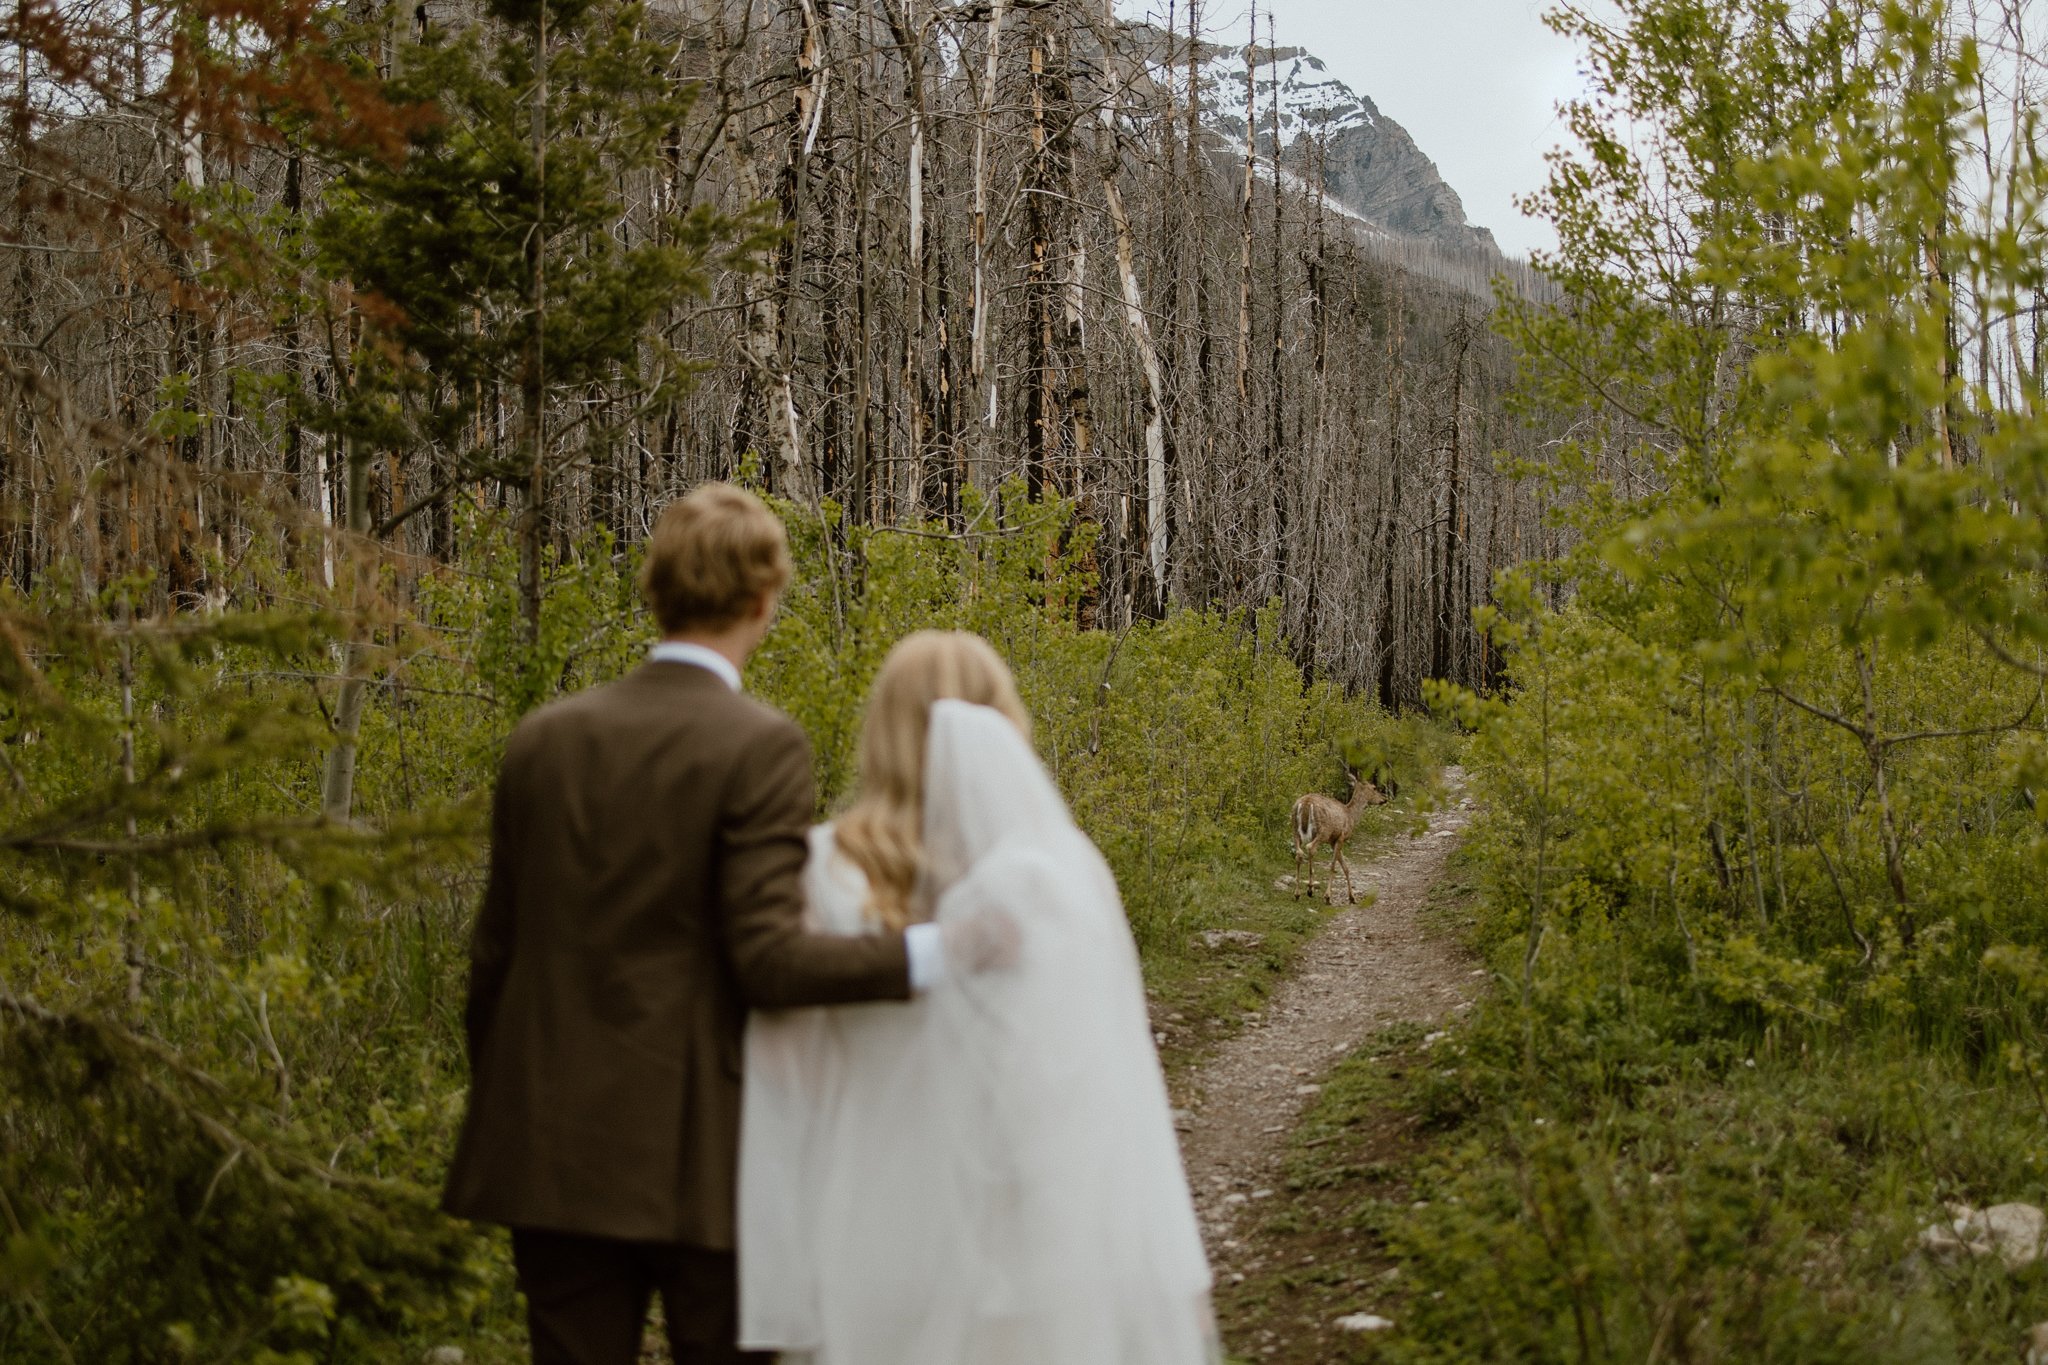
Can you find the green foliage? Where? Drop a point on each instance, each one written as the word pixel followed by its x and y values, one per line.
pixel 1180 743
pixel 183 985
pixel 235 1157
pixel 1764 882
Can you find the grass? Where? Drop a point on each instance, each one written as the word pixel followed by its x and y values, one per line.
pixel 1751 1203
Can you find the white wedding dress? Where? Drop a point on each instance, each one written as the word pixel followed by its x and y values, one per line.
pixel 988 1175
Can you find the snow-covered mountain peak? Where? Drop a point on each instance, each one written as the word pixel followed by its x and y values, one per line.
pixel 1312 124
pixel 1310 101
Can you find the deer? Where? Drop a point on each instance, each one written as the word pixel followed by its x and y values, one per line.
pixel 1320 820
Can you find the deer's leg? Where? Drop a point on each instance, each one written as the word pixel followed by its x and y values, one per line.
pixel 1337 854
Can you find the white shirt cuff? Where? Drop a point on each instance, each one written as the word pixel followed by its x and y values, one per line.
pixel 927 952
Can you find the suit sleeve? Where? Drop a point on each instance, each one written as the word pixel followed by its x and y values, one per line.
pixel 764 820
pixel 490 946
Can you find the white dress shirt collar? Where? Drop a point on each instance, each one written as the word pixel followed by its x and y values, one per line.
pixel 699 656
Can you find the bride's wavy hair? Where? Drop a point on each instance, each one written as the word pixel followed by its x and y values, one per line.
pixel 883 833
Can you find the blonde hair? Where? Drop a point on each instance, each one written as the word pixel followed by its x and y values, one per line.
pixel 883 833
pixel 711 557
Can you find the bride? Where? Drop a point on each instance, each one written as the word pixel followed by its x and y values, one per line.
pixel 988 1175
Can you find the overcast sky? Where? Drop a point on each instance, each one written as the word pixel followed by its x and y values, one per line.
pixel 1476 82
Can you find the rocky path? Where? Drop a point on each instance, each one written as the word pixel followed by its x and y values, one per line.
pixel 1372 965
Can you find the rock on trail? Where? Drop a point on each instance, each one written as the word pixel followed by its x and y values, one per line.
pixel 1371 966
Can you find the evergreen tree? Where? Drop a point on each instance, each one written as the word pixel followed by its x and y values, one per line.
pixel 494 262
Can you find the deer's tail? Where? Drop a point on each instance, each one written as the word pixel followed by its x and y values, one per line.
pixel 1304 824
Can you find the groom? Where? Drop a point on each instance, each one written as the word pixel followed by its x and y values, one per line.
pixel 647 843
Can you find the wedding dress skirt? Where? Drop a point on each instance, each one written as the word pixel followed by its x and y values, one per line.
pixel 988 1175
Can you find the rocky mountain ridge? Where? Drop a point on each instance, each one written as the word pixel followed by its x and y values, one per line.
pixel 1315 127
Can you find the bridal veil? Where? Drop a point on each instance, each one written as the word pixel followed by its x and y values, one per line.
pixel 990 1175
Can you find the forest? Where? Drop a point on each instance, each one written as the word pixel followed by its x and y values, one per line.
pixel 350 350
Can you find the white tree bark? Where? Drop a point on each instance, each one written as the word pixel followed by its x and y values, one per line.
pixel 759 342
pixel 1110 149
pixel 978 337
pixel 1244 272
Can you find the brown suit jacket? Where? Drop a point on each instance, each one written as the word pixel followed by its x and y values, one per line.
pixel 647 845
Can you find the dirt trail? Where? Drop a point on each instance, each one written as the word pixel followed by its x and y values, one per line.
pixel 1372 965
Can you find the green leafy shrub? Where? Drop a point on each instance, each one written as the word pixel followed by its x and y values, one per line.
pixel 1764 880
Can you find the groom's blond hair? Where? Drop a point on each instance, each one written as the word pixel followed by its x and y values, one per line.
pixel 713 553
pixel 883 833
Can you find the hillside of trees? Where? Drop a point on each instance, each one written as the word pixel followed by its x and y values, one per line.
pixel 891 251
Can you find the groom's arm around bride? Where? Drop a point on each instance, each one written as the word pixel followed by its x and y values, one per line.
pixel 648 841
